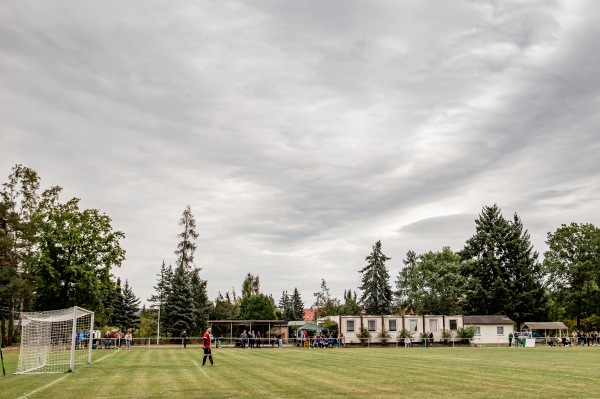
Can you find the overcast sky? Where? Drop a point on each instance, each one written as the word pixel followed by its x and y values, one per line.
pixel 301 132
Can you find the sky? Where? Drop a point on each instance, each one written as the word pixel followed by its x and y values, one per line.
pixel 302 132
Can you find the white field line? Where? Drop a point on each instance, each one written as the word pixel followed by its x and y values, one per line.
pixel 197 365
pixel 60 379
pixel 102 358
pixel 44 387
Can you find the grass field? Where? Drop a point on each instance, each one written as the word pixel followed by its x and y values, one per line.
pixel 320 373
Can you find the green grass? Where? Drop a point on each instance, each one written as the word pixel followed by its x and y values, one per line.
pixel 320 373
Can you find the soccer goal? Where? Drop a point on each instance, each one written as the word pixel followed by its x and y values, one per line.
pixel 54 341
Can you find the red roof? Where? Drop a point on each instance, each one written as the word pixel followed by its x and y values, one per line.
pixel 309 315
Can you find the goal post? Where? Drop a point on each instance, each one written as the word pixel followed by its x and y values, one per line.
pixel 55 341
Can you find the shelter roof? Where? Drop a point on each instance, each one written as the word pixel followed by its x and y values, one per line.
pixel 246 322
pixel 311 327
pixel 551 325
pixel 488 319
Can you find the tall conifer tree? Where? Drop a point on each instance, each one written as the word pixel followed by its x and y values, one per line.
pixel 377 294
pixel 298 305
pixel 504 276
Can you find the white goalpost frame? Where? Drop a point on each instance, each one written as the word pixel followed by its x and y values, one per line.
pixel 54 341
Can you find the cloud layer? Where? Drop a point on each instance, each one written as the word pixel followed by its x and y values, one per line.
pixel 301 133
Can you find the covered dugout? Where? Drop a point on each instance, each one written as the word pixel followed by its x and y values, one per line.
pixel 547 329
pixel 230 329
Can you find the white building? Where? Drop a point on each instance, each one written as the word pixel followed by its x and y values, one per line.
pixel 488 329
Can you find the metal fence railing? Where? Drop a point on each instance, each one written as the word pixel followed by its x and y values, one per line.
pixel 325 342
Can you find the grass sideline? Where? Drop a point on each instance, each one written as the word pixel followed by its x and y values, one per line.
pixel 542 372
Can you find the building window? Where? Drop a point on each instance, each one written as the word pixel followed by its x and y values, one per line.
pixel 349 325
pixel 433 325
pixel 413 324
pixel 477 330
pixel 453 325
pixel 392 325
pixel 500 330
pixel 371 325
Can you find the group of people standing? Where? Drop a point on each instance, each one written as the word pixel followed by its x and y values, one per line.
pixel 250 339
pixel 119 337
pixel 586 339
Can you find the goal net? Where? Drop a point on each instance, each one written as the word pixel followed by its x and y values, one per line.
pixel 54 341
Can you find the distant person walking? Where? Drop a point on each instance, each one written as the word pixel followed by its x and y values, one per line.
pixel 510 337
pixel 184 338
pixel 206 346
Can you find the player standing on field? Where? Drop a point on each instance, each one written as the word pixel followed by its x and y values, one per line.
pixel 206 345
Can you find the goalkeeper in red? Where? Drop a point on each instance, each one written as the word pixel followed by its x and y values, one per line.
pixel 206 345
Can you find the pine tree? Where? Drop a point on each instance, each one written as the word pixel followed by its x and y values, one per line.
pixel 118 306
pixel 179 308
pixel 286 304
pixel 377 294
pixel 503 274
pixel 187 246
pixel 131 308
pixel 162 289
pixel 202 305
pixel 297 305
pixel 483 254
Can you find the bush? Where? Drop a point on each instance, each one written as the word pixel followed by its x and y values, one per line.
pixel 363 335
pixel 384 336
pixel 404 333
pixel 331 326
pixel 466 333
pixel 447 336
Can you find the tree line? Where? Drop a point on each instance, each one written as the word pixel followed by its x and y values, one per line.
pixel 55 255
pixel 497 272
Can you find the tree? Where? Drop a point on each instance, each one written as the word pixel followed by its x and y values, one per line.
pixel 162 289
pixel 257 307
pixel 117 317
pixel 432 283
pixel 573 266
pixel 131 307
pixel 187 246
pixel 297 305
pixel 404 283
pixel 351 306
pixel 324 303
pixel 250 286
pixel 18 201
pixel 179 307
pixel 503 275
pixel 287 307
pixel 202 305
pixel 377 294
pixel 226 307
pixel 77 251
pixel 529 300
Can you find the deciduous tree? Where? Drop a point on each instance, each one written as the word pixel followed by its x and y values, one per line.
pixel 573 266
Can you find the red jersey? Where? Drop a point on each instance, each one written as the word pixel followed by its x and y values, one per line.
pixel 206 340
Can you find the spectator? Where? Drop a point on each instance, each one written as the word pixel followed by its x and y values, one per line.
pixel 184 338
pixel 128 339
pixel 107 340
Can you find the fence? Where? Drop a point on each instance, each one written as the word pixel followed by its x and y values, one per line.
pixel 233 342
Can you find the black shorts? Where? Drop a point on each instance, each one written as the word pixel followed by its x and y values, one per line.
pixel 207 351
